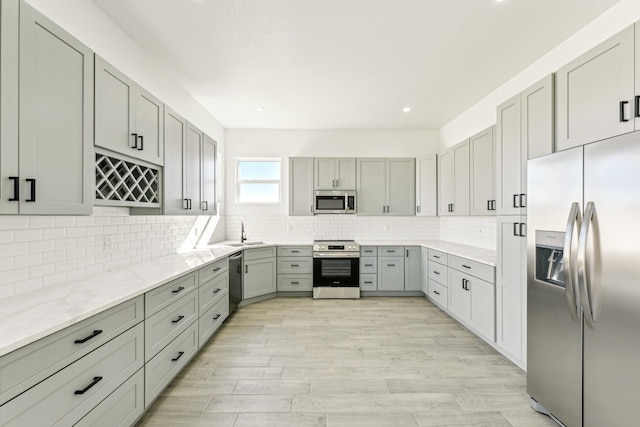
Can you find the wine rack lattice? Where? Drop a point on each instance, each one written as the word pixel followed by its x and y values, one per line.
pixel 126 182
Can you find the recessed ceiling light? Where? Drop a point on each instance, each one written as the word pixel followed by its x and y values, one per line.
pixel 406 109
pixel 259 109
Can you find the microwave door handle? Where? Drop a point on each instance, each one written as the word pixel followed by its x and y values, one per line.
pixel 574 221
pixel 346 202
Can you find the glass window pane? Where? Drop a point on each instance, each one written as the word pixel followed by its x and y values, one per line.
pixel 259 193
pixel 258 170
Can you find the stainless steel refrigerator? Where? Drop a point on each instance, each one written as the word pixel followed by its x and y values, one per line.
pixel 583 293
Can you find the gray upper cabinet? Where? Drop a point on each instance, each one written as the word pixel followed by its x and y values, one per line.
pixel 334 173
pixel 128 119
pixel 301 186
pixel 386 186
pixel 175 135
pixel 209 153
pixel 453 180
pixel 483 173
pixel 193 155
pixel 595 93
pixel 427 186
pixel 537 116
pixel 47 101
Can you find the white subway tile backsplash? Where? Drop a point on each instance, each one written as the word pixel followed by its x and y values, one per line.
pixel 40 222
pixel 477 231
pixel 27 260
pixel 13 222
pixel 27 235
pixel 14 249
pixel 6 236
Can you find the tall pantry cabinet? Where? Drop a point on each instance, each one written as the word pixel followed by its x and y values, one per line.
pixel 524 130
pixel 46 164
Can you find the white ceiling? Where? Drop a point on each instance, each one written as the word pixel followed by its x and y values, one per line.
pixel 331 64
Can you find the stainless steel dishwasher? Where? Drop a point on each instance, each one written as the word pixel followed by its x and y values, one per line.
pixel 235 280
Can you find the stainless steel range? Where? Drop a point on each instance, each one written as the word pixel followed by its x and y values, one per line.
pixel 336 269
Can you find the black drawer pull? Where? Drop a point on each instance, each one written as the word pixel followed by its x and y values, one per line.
pixel 95 381
pixel 16 188
pixel 295 252
pixel 180 354
pixel 295 283
pixel 180 289
pixel 622 118
pixel 135 140
pixel 32 181
pixel 436 272
pixel 216 290
pixel 295 265
pixel 216 269
pixel 436 292
pixel 216 317
pixel 368 265
pixel 178 319
pixel 368 283
pixel 436 256
pixel 391 265
pixel 141 143
pixel 466 266
pixel 93 335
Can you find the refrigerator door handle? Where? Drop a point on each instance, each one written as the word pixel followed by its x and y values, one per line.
pixel 585 287
pixel 574 221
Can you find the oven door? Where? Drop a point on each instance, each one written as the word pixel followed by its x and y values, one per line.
pixel 336 272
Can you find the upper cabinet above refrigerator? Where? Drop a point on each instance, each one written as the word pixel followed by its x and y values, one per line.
pixel 598 94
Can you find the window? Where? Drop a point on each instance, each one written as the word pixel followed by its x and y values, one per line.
pixel 257 180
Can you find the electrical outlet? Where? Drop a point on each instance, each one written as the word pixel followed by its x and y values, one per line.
pixel 108 242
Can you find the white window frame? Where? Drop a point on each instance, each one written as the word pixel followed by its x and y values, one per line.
pixel 257 181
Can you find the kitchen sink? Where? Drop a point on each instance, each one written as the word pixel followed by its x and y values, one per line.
pixel 245 244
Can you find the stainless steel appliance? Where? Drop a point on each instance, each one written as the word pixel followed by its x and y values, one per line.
pixel 335 202
pixel 336 269
pixel 583 292
pixel 235 281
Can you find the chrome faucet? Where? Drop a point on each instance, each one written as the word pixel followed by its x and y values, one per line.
pixel 243 235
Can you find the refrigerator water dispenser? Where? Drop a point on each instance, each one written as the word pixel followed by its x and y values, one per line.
pixel 549 254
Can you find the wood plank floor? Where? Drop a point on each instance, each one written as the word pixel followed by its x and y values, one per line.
pixel 371 362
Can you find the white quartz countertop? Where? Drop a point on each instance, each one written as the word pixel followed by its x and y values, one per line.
pixel 29 317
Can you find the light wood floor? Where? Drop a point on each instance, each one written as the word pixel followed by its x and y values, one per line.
pixel 370 362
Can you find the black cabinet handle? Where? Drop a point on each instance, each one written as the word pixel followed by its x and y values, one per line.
pixel 368 283
pixel 295 283
pixel 246 268
pixel 186 203
pixel 391 265
pixel 178 319
pixel 368 265
pixel 206 205
pixel 418 209
pixel 141 143
pixel 436 292
pixel 216 269
pixel 493 204
pixel 32 181
pixel 216 290
pixel 216 317
pixel 463 284
pixel 622 104
pixel 637 106
pixel 16 188
pixel 189 203
pixel 295 265
pixel 95 381
pixel 515 202
pixel 515 228
pixel 436 272
pixel 466 266
pixel 295 252
pixel 523 200
pixel 180 289
pixel 135 140
pixel 93 335
pixel 523 229
pixel 437 256
pixel 180 354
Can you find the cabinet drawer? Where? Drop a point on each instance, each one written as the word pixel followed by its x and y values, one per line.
pixel 482 271
pixel 368 265
pixel 295 282
pixel 66 397
pixel 159 298
pixel 21 369
pixel 438 256
pixel 161 328
pixel 160 370
pixel 290 265
pixel 368 251
pixel 391 251
pixel 259 253
pixel 438 273
pixel 211 292
pixel 210 321
pixel 294 251
pixel 438 294
pixel 122 408
pixel 213 270
pixel 368 282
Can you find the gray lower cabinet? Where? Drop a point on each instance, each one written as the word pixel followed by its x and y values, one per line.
pixel 368 282
pixel 301 186
pixel 211 319
pixel 43 70
pixel 391 271
pixel 259 277
pixel 368 268
pixel 412 269
pixel 295 269
pixel 473 301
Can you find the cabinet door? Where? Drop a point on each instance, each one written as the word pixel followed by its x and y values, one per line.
pixel 510 286
pixel 390 273
pixel 209 175
pixel 401 186
pixel 445 183
pixel 56 118
pixel 149 127
pixel 508 155
pixel 175 134
pixel 259 277
pixel 412 269
pixel 483 173
pixel 461 179
pixel 594 93
pixel 459 297
pixel 194 170
pixel 424 267
pixel 483 317
pixel 324 174
pixel 371 186
pixel 537 121
pixel 426 186
pixel 301 186
pixel 345 173
pixel 9 34
pixel 114 109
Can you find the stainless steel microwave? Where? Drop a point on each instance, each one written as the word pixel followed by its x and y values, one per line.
pixel 335 202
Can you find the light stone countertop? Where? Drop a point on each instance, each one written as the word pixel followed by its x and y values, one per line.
pixel 29 317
